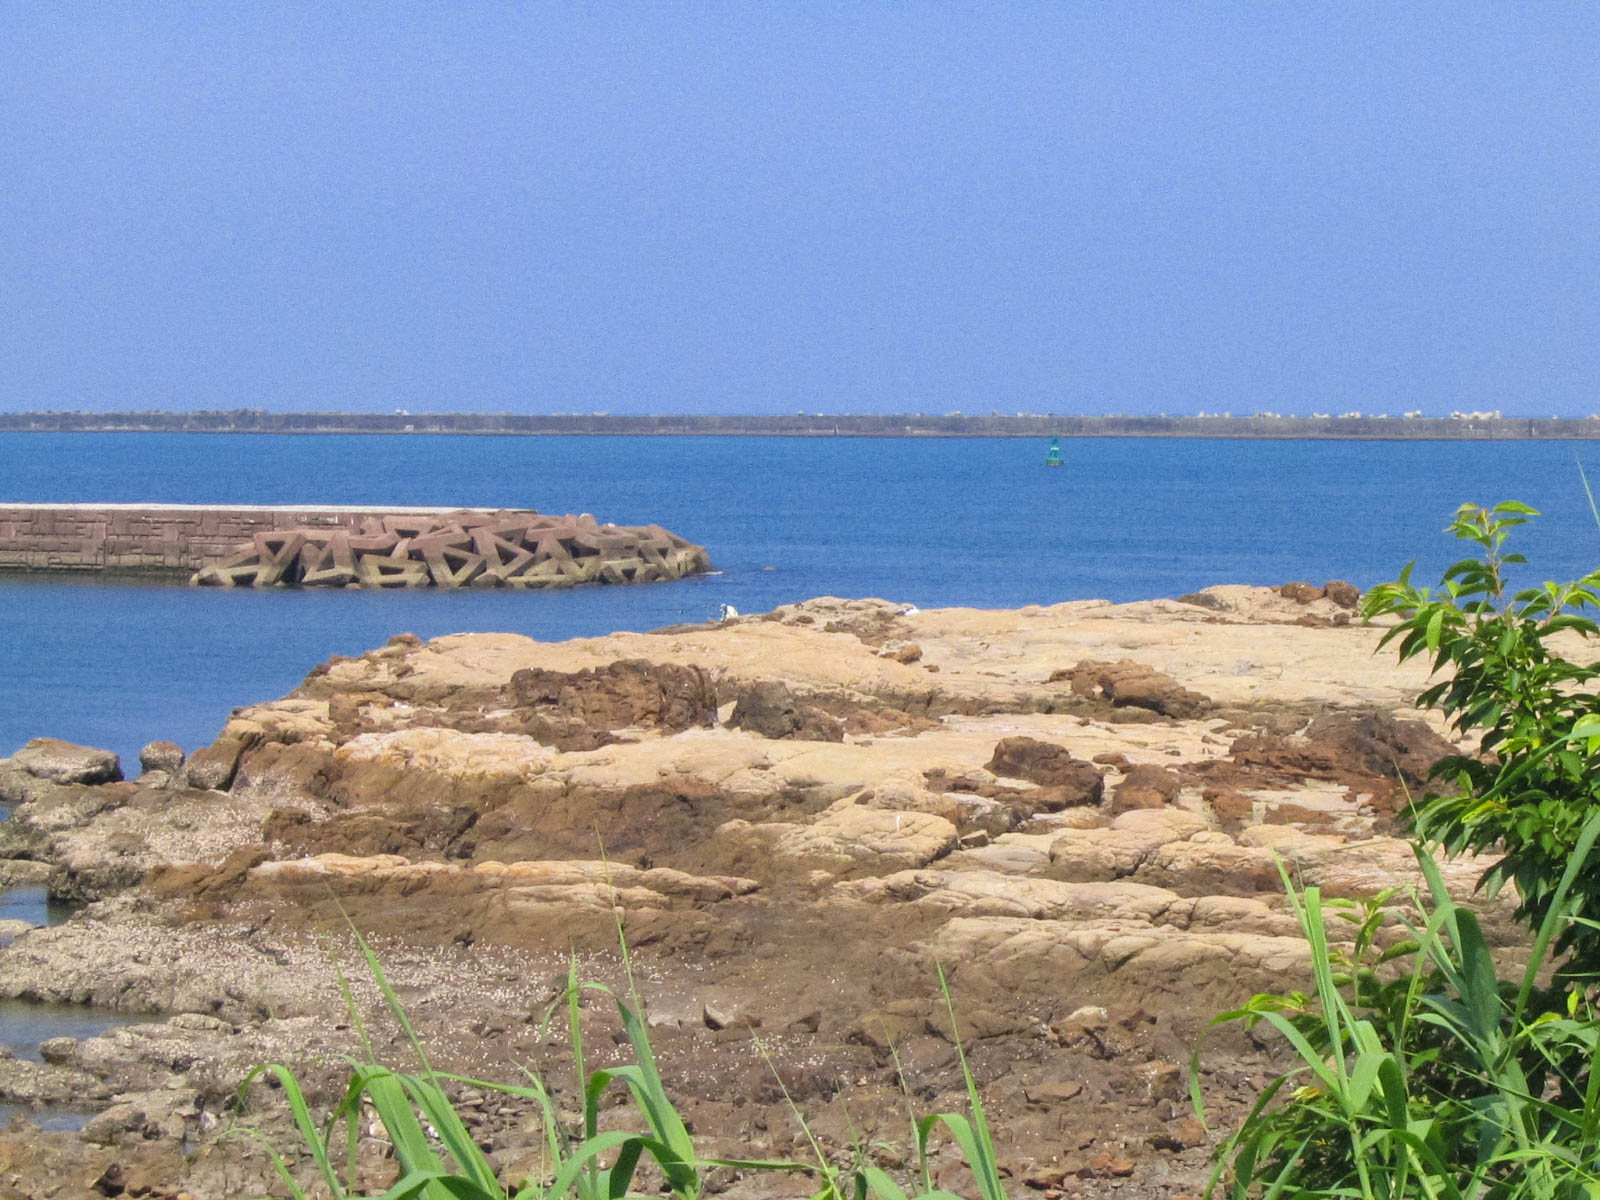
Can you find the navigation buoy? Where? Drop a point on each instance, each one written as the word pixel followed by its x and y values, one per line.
pixel 1053 459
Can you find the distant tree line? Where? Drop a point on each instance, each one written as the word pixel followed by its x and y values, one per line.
pixel 1461 426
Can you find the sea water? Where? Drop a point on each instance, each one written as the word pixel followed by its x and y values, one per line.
pixel 979 522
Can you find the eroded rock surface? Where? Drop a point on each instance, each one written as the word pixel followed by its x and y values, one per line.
pixel 1079 811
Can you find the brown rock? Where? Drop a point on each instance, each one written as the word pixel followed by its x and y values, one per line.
pixel 1345 595
pixel 1129 684
pixel 1204 599
pixel 1377 743
pixel 1229 806
pixel 902 652
pixel 1161 1080
pixel 1301 593
pixel 876 721
pixel 1146 786
pixel 1179 1135
pixel 212 767
pixel 1285 812
pixel 1131 715
pixel 1042 1179
pixel 1055 1091
pixel 1108 1165
pixel 1366 750
pixel 1050 766
pixel 1158 693
pixel 576 710
pixel 770 709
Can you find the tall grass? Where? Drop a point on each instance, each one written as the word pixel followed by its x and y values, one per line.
pixel 1441 1081
pixel 438 1158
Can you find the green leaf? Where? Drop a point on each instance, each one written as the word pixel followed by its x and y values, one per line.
pixel 1435 628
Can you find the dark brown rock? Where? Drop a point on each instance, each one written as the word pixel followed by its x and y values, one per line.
pixel 1368 750
pixel 875 721
pixel 1301 593
pixel 1146 786
pixel 1106 1165
pixel 1380 744
pixel 908 652
pixel 1204 600
pixel 576 710
pixel 1129 684
pixel 1054 1091
pixel 1228 806
pixel 1345 595
pixel 1158 693
pixel 1182 1134
pixel 1049 766
pixel 770 709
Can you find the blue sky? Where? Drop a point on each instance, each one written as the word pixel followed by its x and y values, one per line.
pixel 763 208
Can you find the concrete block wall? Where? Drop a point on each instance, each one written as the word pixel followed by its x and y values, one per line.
pixel 159 540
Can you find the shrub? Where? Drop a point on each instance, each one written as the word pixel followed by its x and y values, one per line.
pixel 1418 1071
pixel 1536 778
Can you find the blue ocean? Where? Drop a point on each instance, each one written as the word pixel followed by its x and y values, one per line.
pixel 980 522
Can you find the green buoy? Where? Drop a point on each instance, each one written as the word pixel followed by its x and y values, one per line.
pixel 1053 459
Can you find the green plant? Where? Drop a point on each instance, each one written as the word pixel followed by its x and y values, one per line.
pixel 439 1160
pixel 971 1135
pixel 1440 1082
pixel 1419 1072
pixel 1536 778
pixel 442 1161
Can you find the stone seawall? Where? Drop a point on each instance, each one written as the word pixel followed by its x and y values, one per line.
pixel 242 544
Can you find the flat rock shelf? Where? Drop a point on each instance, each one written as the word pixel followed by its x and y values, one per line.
pixel 333 546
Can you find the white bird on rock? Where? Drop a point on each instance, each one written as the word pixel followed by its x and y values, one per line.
pixel 729 612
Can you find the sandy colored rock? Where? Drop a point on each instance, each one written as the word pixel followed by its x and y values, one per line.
pixel 482 806
pixel 55 761
pixel 166 757
pixel 211 768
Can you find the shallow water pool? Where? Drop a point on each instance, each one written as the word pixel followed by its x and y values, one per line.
pixel 33 905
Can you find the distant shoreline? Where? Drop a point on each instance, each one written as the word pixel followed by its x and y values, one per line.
pixel 1463 427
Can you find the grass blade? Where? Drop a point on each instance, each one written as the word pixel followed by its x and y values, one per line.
pixel 316 1142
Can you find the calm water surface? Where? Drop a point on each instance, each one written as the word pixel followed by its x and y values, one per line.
pixel 934 522
pixel 937 522
pixel 23 1026
pixel 33 905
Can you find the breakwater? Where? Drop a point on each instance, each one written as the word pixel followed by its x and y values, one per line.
pixel 266 545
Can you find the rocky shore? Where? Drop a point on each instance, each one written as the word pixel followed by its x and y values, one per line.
pixel 1079 811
